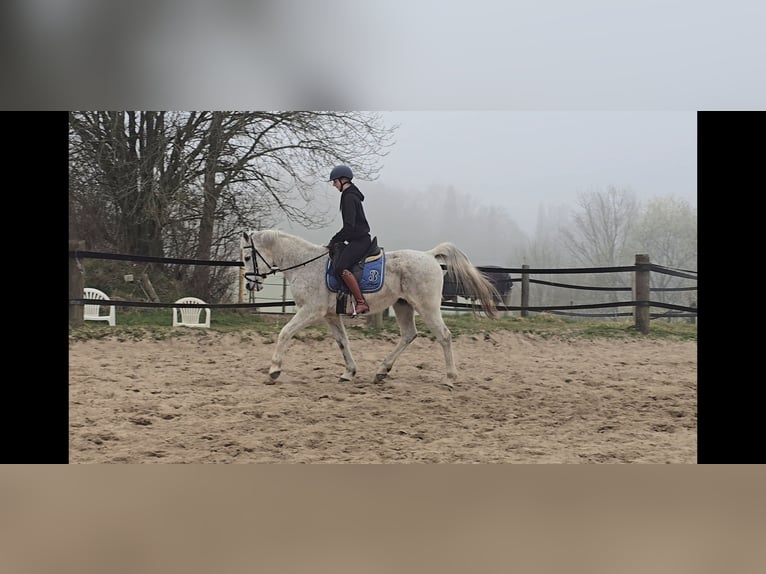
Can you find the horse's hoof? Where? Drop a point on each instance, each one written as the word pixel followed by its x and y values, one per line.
pixel 380 377
pixel 275 375
pixel 346 378
pixel 269 382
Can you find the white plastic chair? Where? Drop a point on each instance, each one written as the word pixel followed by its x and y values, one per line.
pixel 189 316
pixel 93 312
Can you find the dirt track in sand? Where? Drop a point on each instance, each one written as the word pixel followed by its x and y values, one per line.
pixel 200 398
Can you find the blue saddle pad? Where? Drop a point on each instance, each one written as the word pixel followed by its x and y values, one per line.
pixel 372 276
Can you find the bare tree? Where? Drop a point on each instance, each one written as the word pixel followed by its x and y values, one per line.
pixel 667 232
pixel 545 251
pixel 599 236
pixel 602 228
pixel 132 165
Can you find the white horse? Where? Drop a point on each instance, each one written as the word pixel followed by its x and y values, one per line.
pixel 413 282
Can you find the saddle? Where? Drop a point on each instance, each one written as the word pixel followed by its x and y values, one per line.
pixel 369 272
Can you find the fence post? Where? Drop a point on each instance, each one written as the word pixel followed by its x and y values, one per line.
pixel 76 285
pixel 641 294
pixel 284 294
pixel 241 275
pixel 375 320
pixel 524 291
pixel 693 305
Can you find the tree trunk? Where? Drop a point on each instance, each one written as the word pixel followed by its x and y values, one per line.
pixel 201 275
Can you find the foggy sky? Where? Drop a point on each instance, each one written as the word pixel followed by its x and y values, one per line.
pixel 529 164
pixel 527 160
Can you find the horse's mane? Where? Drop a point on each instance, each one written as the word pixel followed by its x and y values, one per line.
pixel 272 236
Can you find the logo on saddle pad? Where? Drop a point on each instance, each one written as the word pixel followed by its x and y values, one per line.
pixel 371 279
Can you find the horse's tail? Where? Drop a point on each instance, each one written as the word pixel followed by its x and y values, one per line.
pixel 469 280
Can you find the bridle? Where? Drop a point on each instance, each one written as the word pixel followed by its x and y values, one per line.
pixel 255 277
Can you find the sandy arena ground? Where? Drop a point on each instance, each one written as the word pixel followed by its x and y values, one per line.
pixel 200 398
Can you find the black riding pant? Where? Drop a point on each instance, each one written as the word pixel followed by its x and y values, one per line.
pixel 350 254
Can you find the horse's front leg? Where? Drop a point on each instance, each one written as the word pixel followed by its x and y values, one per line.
pixel 339 332
pixel 405 316
pixel 302 318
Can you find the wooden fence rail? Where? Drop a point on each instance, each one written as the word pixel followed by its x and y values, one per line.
pixel 640 289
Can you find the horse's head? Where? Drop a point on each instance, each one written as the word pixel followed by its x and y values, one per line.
pixel 251 253
pixel 270 248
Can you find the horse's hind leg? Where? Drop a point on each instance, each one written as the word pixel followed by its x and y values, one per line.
pixel 339 332
pixel 405 316
pixel 433 318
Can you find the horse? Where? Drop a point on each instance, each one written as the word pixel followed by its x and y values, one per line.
pixel 501 281
pixel 413 282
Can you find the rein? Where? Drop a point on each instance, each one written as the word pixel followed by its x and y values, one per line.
pixel 273 269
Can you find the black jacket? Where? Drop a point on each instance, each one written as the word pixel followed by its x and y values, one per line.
pixel 354 221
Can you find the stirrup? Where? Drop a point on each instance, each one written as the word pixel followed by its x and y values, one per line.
pixel 353 309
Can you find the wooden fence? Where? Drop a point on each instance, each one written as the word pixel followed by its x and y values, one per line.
pixel 641 289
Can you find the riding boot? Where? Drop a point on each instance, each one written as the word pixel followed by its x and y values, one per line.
pixel 353 286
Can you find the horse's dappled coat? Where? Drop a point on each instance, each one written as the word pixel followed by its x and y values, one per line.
pixel 413 283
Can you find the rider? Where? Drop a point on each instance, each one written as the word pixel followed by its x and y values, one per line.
pixel 355 233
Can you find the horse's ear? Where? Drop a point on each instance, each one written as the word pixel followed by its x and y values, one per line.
pixel 245 236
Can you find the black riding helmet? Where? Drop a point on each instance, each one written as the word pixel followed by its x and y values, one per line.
pixel 341 171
